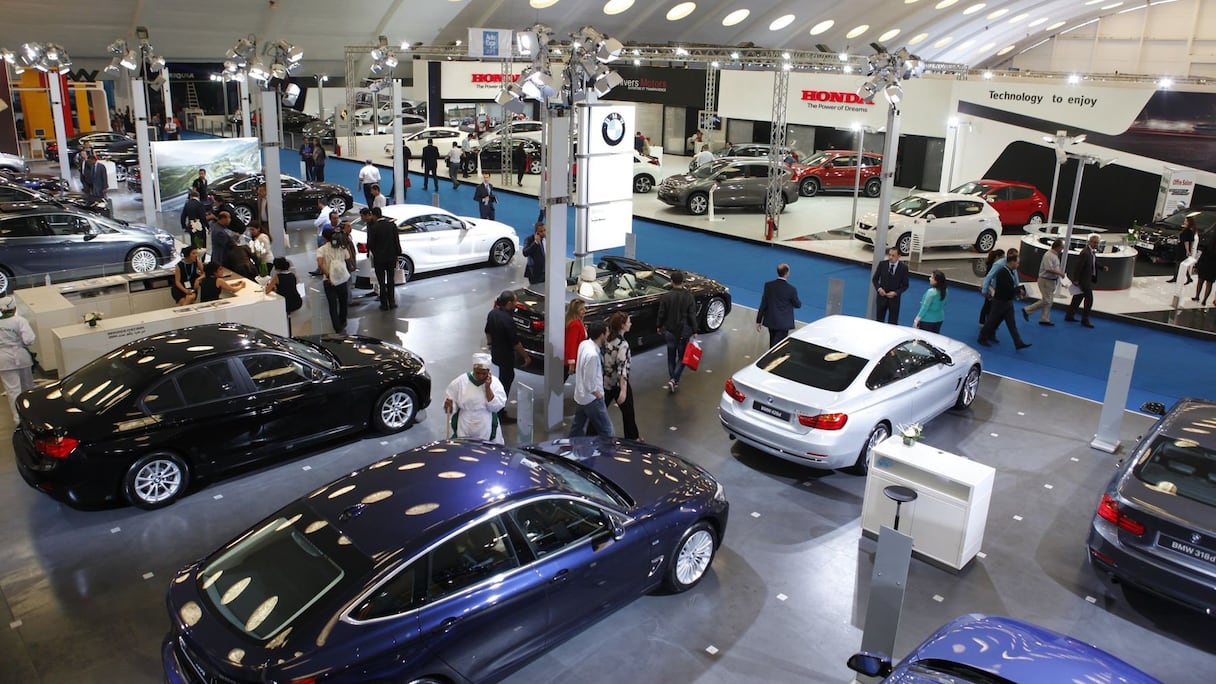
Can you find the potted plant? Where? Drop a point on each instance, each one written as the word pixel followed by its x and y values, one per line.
pixel 911 433
pixel 92 317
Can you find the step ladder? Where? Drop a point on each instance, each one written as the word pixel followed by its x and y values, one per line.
pixel 191 95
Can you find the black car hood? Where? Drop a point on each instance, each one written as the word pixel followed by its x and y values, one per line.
pixel 354 351
pixel 649 475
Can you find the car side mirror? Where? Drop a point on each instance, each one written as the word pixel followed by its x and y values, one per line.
pixel 871 664
pixel 318 375
pixel 1156 408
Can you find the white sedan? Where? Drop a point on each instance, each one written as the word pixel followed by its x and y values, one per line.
pixel 825 395
pixel 433 238
pixel 443 136
pixel 948 219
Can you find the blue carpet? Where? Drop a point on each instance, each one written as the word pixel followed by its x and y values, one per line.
pixel 1066 358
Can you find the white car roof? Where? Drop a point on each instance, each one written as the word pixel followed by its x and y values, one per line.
pixel 861 337
pixel 402 212
pixel 438 128
pixel 943 196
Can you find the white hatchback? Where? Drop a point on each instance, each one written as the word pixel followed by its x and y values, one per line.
pixel 947 219
pixel 433 238
pixel 825 395
pixel 443 136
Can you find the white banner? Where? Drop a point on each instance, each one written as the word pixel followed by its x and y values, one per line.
pixel 1177 189
pixel 491 43
pixel 1109 108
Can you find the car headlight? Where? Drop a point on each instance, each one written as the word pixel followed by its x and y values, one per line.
pixel 1171 241
pixel 164 238
pixel 720 493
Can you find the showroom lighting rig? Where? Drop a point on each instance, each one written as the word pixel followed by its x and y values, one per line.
pixel 1061 141
pixel 49 58
pixel 886 72
pixel 137 61
pixel 384 59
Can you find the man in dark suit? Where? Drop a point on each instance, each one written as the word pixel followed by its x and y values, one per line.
pixel 486 199
pixel 534 250
pixel 430 165
pixel 777 306
pixel 1084 273
pixel 890 280
pixel 194 220
pixel 1006 290
pixel 385 247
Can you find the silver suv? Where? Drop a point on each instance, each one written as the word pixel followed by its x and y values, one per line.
pixel 736 183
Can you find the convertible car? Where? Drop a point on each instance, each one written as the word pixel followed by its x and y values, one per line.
pixel 621 284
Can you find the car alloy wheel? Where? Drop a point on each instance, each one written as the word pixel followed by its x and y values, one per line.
pixel 155 481
pixel 970 388
pixel 395 409
pixel 809 187
pixel 904 244
pixel 338 204
pixel 243 214
pixel 534 167
pixel 5 281
pixel 873 187
pixel 985 242
pixel 1035 219
pixel 878 434
pixel 715 314
pixel 502 252
pixel 698 203
pixel 691 557
pixel 142 260
pixel 642 184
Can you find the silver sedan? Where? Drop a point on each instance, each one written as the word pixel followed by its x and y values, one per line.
pixel 829 392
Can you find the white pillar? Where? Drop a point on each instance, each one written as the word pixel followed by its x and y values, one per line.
pixel 243 85
pixel 147 182
pixel 398 159
pixel 274 179
pixel 166 96
pixel 54 82
pixel 890 149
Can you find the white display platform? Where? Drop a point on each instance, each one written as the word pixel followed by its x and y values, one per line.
pixel 947 519
pixel 132 306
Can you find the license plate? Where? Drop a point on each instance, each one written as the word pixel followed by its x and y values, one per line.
pixel 1144 245
pixel 1183 547
pixel 769 410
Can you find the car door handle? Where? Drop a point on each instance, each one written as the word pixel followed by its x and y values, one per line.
pixel 561 576
pixel 446 625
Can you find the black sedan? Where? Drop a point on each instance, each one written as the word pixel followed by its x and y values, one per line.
pixel 321 129
pixel 1155 526
pixel 458 561
pixel 42 182
pixel 1159 241
pixel 491 154
pixel 97 140
pixel 15 192
pixel 299 197
pixel 142 422
pixel 627 285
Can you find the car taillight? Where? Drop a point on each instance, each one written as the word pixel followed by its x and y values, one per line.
pixel 56 447
pixel 734 391
pixel 361 248
pixel 538 325
pixel 654 162
pixel 1108 510
pixel 824 421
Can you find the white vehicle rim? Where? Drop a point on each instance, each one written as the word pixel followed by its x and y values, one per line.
pixel 698 204
pixel 971 387
pixel 879 434
pixel 3 282
pixel 157 481
pixel 244 215
pixel 397 409
pixel 502 252
pixel 1036 220
pixel 987 242
pixel 715 313
pixel 642 184
pixel 143 260
pixel 338 204
pixel 694 558
pixel 905 244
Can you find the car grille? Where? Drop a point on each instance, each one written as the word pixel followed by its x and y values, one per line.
pixel 196 665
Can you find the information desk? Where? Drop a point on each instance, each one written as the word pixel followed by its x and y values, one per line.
pixel 78 343
pixel 947 519
pixel 1114 254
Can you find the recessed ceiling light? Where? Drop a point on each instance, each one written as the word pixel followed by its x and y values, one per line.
pixel 681 10
pixel 822 26
pixel 1074 79
pixel 1020 18
pixel 975 8
pixel 735 17
pixel 1165 82
pixel 1005 50
pixel 541 4
pixel 988 75
pixel 1054 26
pixel 617 6
pixel 1036 22
pixel 987 47
pixel 888 35
pixel 1091 2
pixel 966 44
pixel 944 4
pixel 857 31
pixel 918 38
pixel 997 14
pixel 1111 5
pixel 943 42
pixel 781 22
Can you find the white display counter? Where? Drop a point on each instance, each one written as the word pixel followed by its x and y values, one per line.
pixel 947 519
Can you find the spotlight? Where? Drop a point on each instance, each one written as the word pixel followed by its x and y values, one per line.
pixel 257 71
pixel 867 91
pixel 894 93
pixel 988 75
pixel 130 61
pixel 1165 82
pixel 844 56
pixel 607 82
pixel 156 64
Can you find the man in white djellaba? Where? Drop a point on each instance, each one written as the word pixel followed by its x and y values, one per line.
pixel 473 401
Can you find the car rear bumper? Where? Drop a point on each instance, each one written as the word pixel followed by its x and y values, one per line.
pixel 1117 560
pixel 804 449
pixel 71 480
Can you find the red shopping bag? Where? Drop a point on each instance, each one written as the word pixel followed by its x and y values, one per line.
pixel 692 354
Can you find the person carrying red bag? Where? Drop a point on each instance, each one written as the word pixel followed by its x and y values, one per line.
pixel 677 323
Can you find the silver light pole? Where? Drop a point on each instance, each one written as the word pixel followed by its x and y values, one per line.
pixel 55 81
pixel 399 175
pixel 861 148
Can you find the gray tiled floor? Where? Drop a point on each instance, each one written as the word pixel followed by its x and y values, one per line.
pixel 80 605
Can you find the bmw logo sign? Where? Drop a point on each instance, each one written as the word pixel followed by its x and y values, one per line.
pixel 614 129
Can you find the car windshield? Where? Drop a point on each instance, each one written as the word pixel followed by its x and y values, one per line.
pixel 576 478
pixel 818 159
pixel 1203 220
pixel 1180 466
pixel 108 380
pixel 812 365
pixel 971 188
pixel 707 170
pixel 276 572
pixel 911 206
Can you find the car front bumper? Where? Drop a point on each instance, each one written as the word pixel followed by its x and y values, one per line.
pixel 821 449
pixel 1111 557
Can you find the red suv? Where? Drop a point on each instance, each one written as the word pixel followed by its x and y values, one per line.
pixel 1017 203
pixel 837 170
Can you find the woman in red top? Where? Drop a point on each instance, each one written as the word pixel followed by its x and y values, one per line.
pixel 576 332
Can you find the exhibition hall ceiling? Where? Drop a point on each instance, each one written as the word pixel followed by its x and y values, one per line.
pixel 972 32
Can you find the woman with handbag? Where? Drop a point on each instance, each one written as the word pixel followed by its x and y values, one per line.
pixel 331 261
pixel 617 358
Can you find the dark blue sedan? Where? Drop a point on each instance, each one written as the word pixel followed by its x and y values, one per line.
pixel 989 649
pixel 458 561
